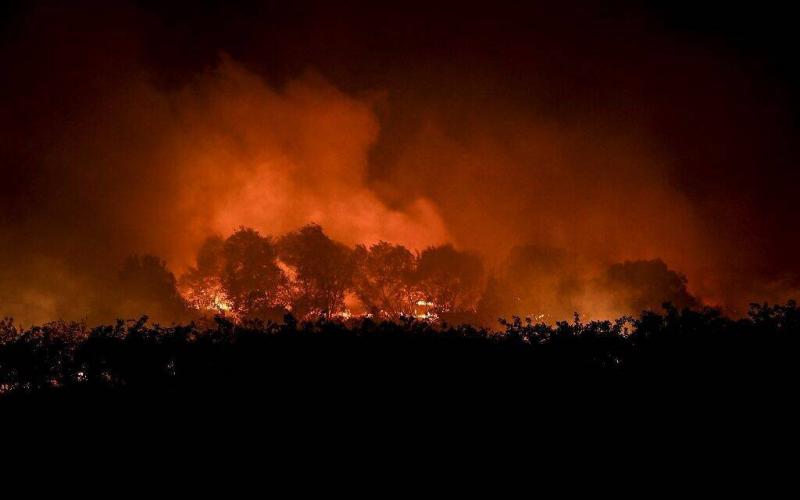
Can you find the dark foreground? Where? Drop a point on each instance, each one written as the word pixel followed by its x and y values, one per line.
pixel 409 365
pixel 300 393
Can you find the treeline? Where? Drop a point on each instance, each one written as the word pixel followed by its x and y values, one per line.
pixel 306 273
pixel 366 354
pixel 309 274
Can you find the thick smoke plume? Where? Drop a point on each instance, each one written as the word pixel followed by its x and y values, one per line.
pixel 106 154
pixel 122 166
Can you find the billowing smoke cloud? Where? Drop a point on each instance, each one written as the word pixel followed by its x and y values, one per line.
pixel 109 164
pixel 275 160
pixel 107 153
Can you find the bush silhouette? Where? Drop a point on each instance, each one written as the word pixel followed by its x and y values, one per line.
pixel 676 346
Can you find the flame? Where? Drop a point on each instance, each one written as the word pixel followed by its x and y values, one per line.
pixel 221 304
pixel 208 296
pixel 423 309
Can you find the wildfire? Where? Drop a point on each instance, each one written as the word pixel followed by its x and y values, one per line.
pixel 210 297
pixel 248 275
pixel 207 296
pixel 424 310
pixel 221 304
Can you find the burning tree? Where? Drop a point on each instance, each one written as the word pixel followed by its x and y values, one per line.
pixel 239 274
pixel 384 279
pixel 201 286
pixel 323 270
pixel 251 277
pixel 310 274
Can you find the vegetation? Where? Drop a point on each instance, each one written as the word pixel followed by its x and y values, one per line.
pixel 309 275
pixel 250 276
pixel 256 356
pixel 258 314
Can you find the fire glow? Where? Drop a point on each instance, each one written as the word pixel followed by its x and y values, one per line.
pixel 543 180
pixel 309 275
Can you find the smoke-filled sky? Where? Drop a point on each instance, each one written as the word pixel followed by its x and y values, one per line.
pixel 615 133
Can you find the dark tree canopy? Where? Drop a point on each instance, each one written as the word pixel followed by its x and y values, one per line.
pixel 384 279
pixel 145 284
pixel 306 272
pixel 202 285
pixel 251 277
pixel 211 257
pixel 239 275
pixel 450 278
pixel 324 270
pixel 647 284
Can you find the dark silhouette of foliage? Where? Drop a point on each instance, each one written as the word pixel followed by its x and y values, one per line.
pixel 450 278
pixel 384 279
pixel 238 275
pixel 678 346
pixel 324 270
pixel 646 284
pixel 251 278
pixel 145 284
pixel 202 285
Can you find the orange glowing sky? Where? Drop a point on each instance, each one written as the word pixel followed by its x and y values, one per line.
pixel 136 128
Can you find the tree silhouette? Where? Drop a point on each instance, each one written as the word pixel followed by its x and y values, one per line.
pixel 238 276
pixel 451 279
pixel 383 279
pixel 146 286
pixel 646 284
pixel 672 346
pixel 323 270
pixel 202 285
pixel 251 277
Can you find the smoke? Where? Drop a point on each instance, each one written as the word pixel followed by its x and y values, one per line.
pixel 110 164
pixel 275 160
pixel 110 151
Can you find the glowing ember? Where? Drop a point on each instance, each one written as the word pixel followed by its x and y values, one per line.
pixel 207 295
pixel 424 310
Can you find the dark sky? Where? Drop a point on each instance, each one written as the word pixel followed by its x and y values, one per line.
pixel 616 129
